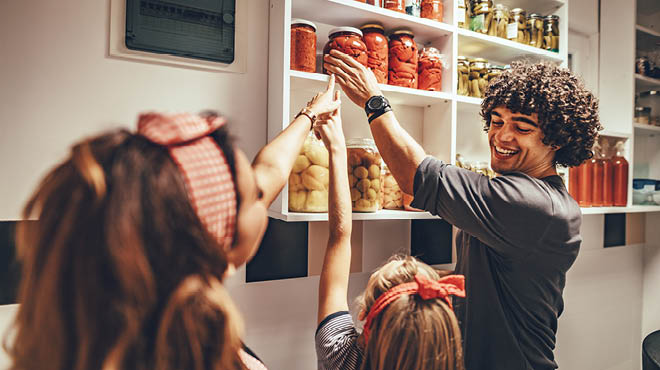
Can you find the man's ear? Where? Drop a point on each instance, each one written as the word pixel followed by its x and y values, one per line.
pixel 555 148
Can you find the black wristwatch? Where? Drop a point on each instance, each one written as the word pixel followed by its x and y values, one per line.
pixel 376 106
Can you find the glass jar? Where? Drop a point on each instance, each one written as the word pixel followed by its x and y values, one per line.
pixel 461 15
pixel 377 3
pixel 551 33
pixel 374 38
pixel 494 71
pixel 478 77
pixel 432 9
pixel 482 15
pixel 517 29
pixel 347 40
pixel 500 21
pixel 643 115
pixel 396 5
pixel 430 69
pixel 403 58
pixel 463 70
pixel 309 179
pixel 303 45
pixel 392 196
pixel 643 66
pixel 364 174
pixel 413 7
pixel 535 26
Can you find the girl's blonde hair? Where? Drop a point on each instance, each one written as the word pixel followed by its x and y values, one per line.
pixel 411 333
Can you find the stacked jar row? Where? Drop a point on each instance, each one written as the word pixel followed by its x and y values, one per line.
pixel 396 61
pixel 534 30
pixel 430 9
pixel 474 75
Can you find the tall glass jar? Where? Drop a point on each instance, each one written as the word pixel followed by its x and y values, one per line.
pixel 396 5
pixel 309 179
pixel 403 58
pixel 347 40
pixel 517 29
pixel 551 33
pixel 364 174
pixel 482 15
pixel 303 45
pixel 430 69
pixel 494 71
pixel 535 26
pixel 432 9
pixel 462 15
pixel 392 196
pixel 478 77
pixel 377 52
pixel 463 70
pixel 413 7
pixel 500 21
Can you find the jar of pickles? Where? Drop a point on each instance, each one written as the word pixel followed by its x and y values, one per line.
pixel 494 71
pixel 478 77
pixel 364 174
pixel 392 196
pixel 463 69
pixel 430 69
pixel 403 58
pixel 551 33
pixel 535 26
pixel 482 15
pixel 347 40
pixel 377 55
pixel 432 9
pixel 517 29
pixel 309 179
pixel 498 25
pixel 303 45
pixel 396 5
pixel 461 15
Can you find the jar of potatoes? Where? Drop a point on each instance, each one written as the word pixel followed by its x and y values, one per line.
pixel 364 174
pixel 309 179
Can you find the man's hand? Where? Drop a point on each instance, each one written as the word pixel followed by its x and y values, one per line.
pixel 357 81
pixel 329 129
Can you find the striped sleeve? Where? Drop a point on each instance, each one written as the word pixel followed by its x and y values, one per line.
pixel 336 343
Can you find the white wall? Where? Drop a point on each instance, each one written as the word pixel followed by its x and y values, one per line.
pixel 58 85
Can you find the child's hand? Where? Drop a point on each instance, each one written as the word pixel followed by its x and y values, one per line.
pixel 328 128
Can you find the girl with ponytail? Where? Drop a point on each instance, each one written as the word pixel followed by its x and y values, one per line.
pixel 136 232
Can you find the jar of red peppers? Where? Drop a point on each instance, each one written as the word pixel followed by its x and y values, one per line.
pixel 402 63
pixel 347 40
pixel 430 69
pixel 396 5
pixel 303 45
pixel 432 9
pixel 374 38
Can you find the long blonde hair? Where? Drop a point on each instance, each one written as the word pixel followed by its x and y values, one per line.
pixel 411 333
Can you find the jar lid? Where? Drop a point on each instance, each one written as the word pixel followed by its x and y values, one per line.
pixel 344 29
pixel 519 11
pixel 649 93
pixel 552 16
pixel 360 142
pixel 643 109
pixel 303 21
pixel 403 32
pixel 535 16
pixel 479 60
pixel 372 26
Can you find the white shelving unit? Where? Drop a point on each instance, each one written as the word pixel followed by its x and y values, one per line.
pixel 629 209
pixel 443 122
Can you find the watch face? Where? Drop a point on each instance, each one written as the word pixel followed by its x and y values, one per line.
pixel 376 103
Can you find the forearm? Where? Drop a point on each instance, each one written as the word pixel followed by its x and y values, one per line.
pixel 399 150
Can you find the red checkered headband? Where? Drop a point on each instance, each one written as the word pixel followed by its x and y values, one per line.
pixel 424 287
pixel 202 163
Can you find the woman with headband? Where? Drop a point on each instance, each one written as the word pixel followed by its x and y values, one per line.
pixel 136 232
pixel 406 307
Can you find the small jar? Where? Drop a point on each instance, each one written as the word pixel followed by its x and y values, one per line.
pixel 432 9
pixel 392 196
pixel 364 174
pixel 643 115
pixel 347 40
pixel 377 55
pixel 482 16
pixel 535 26
pixel 309 179
pixel 413 7
pixel 462 15
pixel 396 5
pixel 478 77
pixel 643 66
pixel 463 70
pixel 500 21
pixel 403 58
pixel 551 33
pixel 303 45
pixel 378 3
pixel 430 69
pixel 494 71
pixel 518 30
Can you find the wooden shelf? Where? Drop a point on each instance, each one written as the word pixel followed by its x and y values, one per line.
pixel 384 214
pixel 497 49
pixel 631 209
pixel 643 83
pixel 644 129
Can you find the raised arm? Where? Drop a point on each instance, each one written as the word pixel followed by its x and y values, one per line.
pixel 274 162
pixel 333 287
pixel 401 152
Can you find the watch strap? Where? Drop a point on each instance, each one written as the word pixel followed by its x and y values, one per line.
pixel 309 114
pixel 379 113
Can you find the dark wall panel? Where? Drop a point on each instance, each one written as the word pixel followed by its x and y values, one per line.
pixel 431 241
pixel 9 268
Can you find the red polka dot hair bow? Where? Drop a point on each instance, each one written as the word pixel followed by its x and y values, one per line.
pixel 202 163
pixel 424 287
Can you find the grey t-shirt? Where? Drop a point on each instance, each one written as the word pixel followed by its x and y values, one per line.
pixel 519 235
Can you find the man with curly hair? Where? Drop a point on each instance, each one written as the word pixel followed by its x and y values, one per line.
pixel 520 231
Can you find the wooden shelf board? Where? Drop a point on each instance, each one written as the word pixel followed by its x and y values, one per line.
pixel 645 129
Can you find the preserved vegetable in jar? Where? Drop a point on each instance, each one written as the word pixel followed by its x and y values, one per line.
pixel 478 77
pixel 498 25
pixel 494 71
pixel 364 174
pixel 535 26
pixel 391 192
pixel 573 183
pixel 462 16
pixel 620 175
pixel 551 33
pixel 396 5
pixel 377 55
pixel 608 178
pixel 347 40
pixel 413 7
pixel 517 29
pixel 482 15
pixel 430 69
pixel 303 45
pixel 463 69
pixel 403 58
pixel 309 179
pixel 586 181
pixel 432 9
pixel 377 3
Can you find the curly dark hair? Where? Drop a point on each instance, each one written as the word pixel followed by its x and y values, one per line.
pixel 567 111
